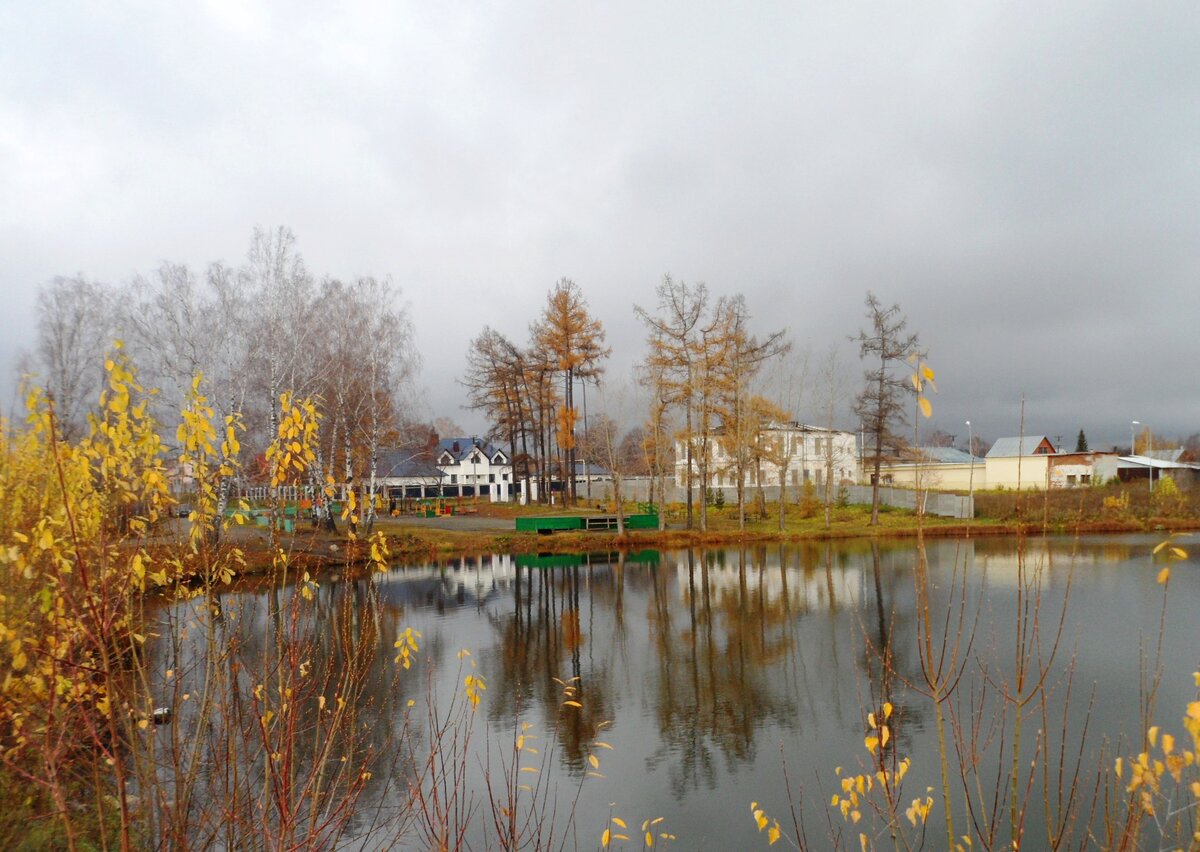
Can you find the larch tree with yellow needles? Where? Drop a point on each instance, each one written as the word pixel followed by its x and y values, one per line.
pixel 574 343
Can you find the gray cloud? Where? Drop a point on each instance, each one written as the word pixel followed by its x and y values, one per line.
pixel 1022 178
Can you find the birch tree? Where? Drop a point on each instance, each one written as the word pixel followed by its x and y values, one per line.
pixel 74 331
pixel 184 327
pixel 369 363
pixel 280 295
pixel 496 384
pixel 671 364
pixel 178 325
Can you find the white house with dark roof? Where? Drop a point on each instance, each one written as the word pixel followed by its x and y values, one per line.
pixel 401 474
pixel 473 466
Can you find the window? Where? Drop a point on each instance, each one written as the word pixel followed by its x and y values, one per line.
pixel 454 479
pixel 491 477
pixel 1086 479
pixel 504 476
pixel 1070 479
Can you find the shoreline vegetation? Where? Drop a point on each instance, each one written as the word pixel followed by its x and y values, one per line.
pixel 461 535
pixel 126 723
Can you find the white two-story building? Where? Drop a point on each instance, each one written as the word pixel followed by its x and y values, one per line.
pixel 473 467
pixel 787 454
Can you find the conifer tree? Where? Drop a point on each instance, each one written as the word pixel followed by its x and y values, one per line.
pixel 573 342
pixel 880 404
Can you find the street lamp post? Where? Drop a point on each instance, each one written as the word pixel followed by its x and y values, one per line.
pixel 971 479
pixel 1150 455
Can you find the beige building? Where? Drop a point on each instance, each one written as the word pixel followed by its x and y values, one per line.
pixel 1030 463
pixel 937 469
pixel 1022 463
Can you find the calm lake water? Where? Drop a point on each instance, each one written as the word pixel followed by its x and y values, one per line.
pixel 716 669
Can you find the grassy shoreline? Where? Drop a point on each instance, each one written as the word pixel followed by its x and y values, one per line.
pixel 325 553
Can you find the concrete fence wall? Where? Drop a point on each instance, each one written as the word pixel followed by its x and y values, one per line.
pixel 936 503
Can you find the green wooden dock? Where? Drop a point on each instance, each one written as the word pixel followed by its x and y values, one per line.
pixel 546 524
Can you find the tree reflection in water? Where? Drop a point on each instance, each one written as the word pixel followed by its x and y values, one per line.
pixel 711 665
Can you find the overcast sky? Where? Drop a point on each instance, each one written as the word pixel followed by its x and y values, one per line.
pixel 1023 179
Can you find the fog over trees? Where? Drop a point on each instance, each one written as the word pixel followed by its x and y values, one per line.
pixel 270 325
pixel 251 332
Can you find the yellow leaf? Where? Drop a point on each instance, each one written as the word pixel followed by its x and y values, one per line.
pixel 884 735
pixel 926 372
pixel 605 837
pixel 926 408
pixel 773 834
pixel 1179 553
pixel 1164 575
pixel 620 822
pixel 595 764
pixel 572 704
pixel 1160 546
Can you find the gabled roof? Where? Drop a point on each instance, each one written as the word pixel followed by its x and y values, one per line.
pixel 1126 462
pixel 944 455
pixel 797 426
pixel 1010 447
pixel 459 449
pixel 401 464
